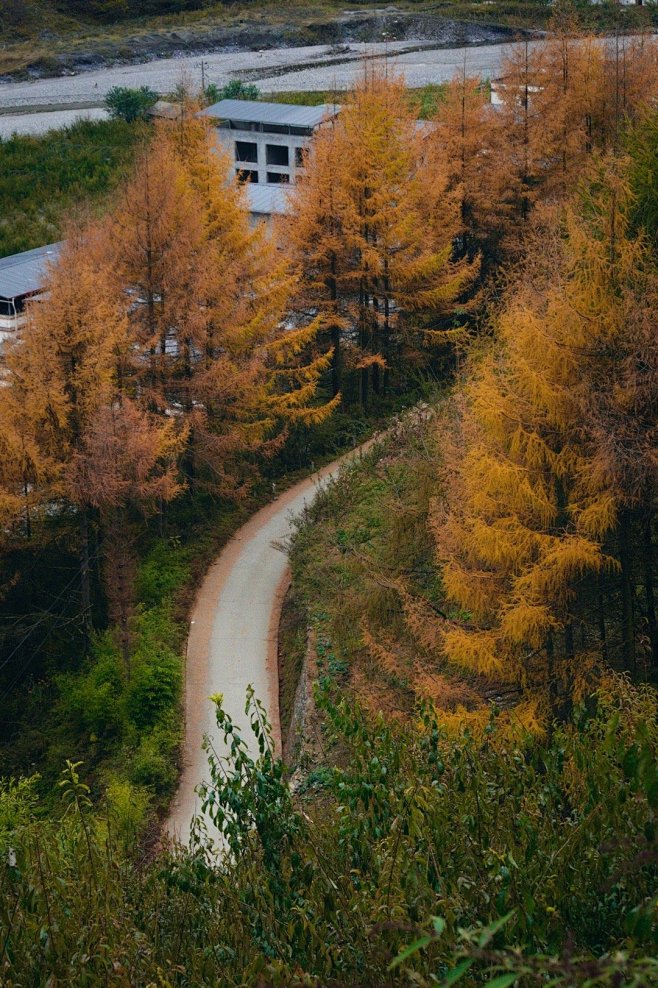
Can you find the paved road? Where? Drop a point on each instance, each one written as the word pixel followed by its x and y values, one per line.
pixel 41 123
pixel 276 70
pixel 233 637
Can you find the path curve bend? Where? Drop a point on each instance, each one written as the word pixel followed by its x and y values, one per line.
pixel 233 636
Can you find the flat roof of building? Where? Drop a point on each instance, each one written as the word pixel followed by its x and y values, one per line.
pixel 24 274
pixel 267 200
pixel 277 114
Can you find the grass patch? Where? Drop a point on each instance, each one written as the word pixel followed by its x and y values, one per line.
pixel 292 649
pixel 424 99
pixel 44 179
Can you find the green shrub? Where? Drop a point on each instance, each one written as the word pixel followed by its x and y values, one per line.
pixel 163 571
pixel 128 808
pixel 91 701
pixel 130 104
pixel 546 848
pixel 154 690
pixel 154 763
pixel 236 89
pixel 18 801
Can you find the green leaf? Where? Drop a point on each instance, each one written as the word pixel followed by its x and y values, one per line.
pixel 457 973
pixel 413 948
pixel 490 931
pixel 502 981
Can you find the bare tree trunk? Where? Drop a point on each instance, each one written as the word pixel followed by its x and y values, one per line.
pixel 336 357
pixel 119 579
pixel 552 680
pixel 28 515
pixel 628 610
pixel 85 577
pixel 336 369
pixel 601 622
pixel 649 592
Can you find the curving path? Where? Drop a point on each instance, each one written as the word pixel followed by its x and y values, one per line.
pixel 233 636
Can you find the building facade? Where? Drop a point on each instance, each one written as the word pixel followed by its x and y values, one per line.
pixel 267 142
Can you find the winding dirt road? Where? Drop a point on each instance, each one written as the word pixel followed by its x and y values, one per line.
pixel 233 636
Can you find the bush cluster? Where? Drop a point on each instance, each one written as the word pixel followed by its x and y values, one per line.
pixel 129 725
pixel 550 846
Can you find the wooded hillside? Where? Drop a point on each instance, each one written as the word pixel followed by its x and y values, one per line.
pixel 476 598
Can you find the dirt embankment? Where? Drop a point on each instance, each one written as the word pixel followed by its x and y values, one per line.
pixel 249 35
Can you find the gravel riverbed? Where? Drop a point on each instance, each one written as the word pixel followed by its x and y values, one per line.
pixel 274 70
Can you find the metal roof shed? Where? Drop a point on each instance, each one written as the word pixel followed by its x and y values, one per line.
pixel 23 274
pixel 266 115
pixel 267 200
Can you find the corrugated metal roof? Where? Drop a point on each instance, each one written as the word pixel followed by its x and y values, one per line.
pixel 267 200
pixel 22 274
pixel 278 114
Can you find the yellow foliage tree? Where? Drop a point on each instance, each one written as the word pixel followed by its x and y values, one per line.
pixel 467 142
pixel 65 375
pixel 207 299
pixel 531 501
pixel 369 243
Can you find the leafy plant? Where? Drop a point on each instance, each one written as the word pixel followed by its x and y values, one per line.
pixel 237 89
pixel 128 104
pixel 539 860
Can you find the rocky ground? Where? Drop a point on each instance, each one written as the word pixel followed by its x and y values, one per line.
pixel 249 35
pixel 318 67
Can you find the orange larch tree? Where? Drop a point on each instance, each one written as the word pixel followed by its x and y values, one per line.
pixel 467 142
pixel 125 469
pixel 206 298
pixel 367 239
pixel 59 374
pixel 535 509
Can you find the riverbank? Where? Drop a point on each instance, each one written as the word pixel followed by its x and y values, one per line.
pixel 278 70
pixel 51 54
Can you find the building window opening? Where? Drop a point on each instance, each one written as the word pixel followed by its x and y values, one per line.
pixel 246 151
pixel 247 175
pixel 278 155
pixel 300 157
pixel 276 178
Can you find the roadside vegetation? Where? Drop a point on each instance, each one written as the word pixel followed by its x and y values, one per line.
pixel 429 858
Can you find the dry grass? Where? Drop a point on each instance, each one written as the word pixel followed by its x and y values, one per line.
pixel 365 566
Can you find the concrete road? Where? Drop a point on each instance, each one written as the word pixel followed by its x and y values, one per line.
pixel 233 638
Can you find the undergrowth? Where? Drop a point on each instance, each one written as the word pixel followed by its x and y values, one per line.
pixel 363 564
pixel 532 858
pixel 60 700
